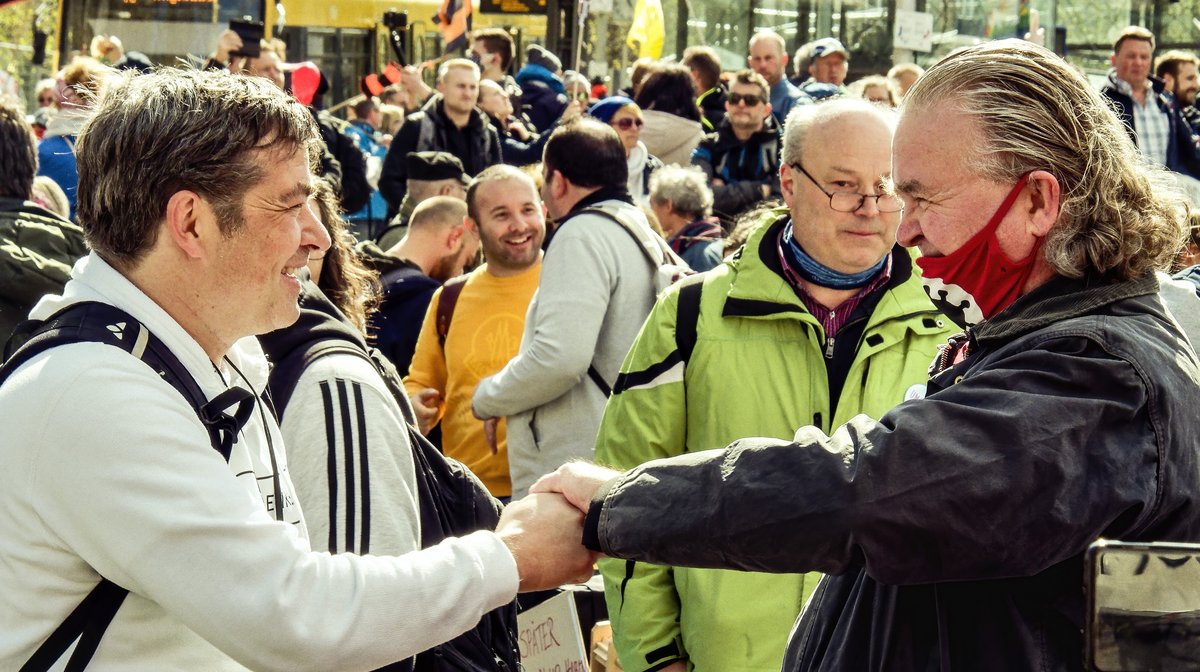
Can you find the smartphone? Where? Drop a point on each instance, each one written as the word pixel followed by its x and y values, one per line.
pixel 251 33
pixel 1143 606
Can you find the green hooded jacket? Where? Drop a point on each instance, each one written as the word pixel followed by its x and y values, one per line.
pixel 757 369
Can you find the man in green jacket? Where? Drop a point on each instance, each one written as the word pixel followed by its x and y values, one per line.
pixel 819 318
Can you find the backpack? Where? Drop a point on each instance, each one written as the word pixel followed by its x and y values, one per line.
pixel 92 322
pixel 447 300
pixel 453 502
pixel 668 267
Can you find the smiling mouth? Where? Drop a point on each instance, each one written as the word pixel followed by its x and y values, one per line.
pixel 519 241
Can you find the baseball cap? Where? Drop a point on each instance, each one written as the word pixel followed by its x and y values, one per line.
pixel 826 46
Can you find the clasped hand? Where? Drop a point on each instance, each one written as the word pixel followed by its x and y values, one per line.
pixel 544 531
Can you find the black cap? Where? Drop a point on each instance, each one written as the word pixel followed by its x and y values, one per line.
pixel 434 166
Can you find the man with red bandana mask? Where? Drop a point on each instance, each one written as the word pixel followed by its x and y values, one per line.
pixel 953 529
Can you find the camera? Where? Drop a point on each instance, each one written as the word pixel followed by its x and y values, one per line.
pixel 395 20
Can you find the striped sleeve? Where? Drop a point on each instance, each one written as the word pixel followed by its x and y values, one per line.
pixel 351 461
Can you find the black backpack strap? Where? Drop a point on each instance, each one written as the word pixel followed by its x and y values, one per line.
pixel 86 623
pixel 687 315
pixel 286 372
pixel 447 301
pixel 101 323
pixel 599 380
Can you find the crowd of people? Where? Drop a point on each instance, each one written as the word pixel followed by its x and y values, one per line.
pixel 820 376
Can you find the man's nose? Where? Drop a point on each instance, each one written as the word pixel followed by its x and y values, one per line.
pixel 314 233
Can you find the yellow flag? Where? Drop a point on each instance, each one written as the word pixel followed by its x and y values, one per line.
pixel 647 32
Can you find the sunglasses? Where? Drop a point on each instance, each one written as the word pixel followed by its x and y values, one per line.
pixel 751 99
pixel 628 123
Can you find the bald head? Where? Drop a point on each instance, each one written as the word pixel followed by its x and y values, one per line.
pixel 834 117
pixel 436 214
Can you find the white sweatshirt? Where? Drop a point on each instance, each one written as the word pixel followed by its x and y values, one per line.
pixel 106 470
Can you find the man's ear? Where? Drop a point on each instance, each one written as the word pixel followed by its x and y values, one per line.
pixel 787 180
pixel 557 189
pixel 455 235
pixel 1045 200
pixel 190 223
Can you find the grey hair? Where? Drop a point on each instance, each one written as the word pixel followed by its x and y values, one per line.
pixel 686 188
pixel 804 117
pixel 1033 111
pixel 170 130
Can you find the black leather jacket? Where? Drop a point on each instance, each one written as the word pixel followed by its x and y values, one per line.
pixel 953 528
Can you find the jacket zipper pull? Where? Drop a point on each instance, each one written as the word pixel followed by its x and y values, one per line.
pixel 829 348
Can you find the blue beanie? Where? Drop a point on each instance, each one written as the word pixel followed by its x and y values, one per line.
pixel 605 109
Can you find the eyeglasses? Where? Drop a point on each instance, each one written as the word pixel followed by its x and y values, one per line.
pixel 851 201
pixel 751 99
pixel 628 123
pixel 46 99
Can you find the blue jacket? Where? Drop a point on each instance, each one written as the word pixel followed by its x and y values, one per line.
pixel 543 95
pixel 56 160
pixel 701 244
pixel 1183 147
pixel 364 136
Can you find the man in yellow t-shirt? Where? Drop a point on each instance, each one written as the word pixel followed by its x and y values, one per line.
pixel 488 318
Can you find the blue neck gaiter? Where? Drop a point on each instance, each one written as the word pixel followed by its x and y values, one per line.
pixel 815 272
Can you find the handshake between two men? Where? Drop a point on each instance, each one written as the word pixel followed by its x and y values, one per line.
pixel 544 530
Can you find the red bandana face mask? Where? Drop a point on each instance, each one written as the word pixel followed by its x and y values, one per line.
pixel 978 280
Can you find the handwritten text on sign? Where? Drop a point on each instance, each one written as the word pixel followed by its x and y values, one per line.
pixel 549 637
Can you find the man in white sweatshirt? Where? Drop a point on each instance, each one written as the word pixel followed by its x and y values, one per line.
pixel 194 196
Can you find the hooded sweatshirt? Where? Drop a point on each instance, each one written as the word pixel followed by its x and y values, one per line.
pixel 671 138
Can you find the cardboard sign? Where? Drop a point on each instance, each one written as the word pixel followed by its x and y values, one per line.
pixel 914 30
pixel 549 637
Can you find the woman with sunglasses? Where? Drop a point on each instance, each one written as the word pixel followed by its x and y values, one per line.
pixel 625 116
